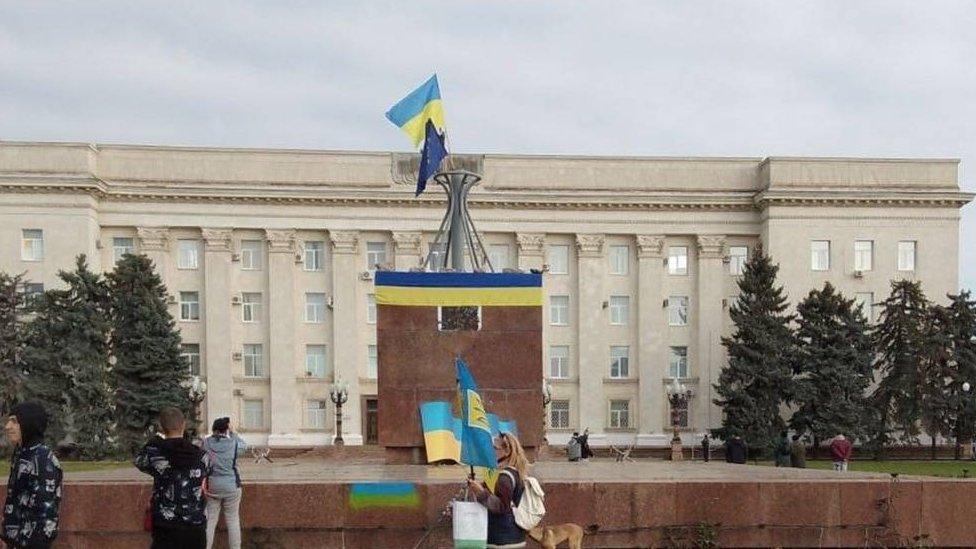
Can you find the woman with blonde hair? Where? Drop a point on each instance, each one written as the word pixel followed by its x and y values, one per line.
pixel 503 532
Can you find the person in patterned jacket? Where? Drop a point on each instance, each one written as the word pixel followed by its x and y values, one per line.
pixel 30 512
pixel 179 470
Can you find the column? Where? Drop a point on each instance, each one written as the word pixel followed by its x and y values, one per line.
pixel 155 242
pixel 348 349
pixel 594 350
pixel 530 251
pixel 216 351
pixel 651 347
pixel 406 250
pixel 283 318
pixel 708 348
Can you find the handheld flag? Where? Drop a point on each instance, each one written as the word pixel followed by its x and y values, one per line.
pixel 476 447
pixel 430 157
pixel 413 111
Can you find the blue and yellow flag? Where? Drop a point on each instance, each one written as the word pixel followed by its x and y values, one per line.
pixel 476 447
pixel 413 111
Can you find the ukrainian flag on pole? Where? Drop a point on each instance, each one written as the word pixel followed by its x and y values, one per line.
pixel 476 447
pixel 413 111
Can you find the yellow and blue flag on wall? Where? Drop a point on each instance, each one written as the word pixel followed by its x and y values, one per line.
pixel 423 289
pixel 413 111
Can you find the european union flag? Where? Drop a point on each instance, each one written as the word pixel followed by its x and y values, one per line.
pixel 476 447
pixel 430 157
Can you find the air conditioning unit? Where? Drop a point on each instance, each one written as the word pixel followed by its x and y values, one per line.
pixel 236 355
pixel 330 303
pixel 725 303
pixel 665 262
pixel 235 257
pixel 664 304
pixel 299 258
pixel 235 300
pixel 858 274
pixel 726 259
pixel 98 244
pixel 366 275
pixel 171 299
pixel 238 392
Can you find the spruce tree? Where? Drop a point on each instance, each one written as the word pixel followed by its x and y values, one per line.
pixel 833 363
pixel 758 378
pixel 962 327
pixel 149 371
pixel 13 339
pixel 67 360
pixel 936 366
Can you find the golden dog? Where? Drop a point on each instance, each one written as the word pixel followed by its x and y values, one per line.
pixel 551 536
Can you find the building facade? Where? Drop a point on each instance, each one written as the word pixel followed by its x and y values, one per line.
pixel 268 257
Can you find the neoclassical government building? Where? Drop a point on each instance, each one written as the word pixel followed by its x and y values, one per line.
pixel 269 255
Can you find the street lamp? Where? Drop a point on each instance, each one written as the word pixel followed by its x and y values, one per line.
pixel 678 396
pixel 339 393
pixel 198 391
pixel 957 427
pixel 546 400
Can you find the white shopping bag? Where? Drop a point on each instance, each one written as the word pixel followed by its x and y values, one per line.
pixel 470 524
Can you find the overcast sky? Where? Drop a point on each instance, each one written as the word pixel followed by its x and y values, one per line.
pixel 643 78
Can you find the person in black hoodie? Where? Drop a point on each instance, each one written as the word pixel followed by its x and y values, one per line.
pixel 179 470
pixel 30 512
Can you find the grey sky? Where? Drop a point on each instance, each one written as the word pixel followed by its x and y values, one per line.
pixel 643 78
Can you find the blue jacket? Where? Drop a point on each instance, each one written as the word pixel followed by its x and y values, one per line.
pixel 223 452
pixel 30 512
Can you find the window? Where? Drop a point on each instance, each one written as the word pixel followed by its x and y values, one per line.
pixel 375 254
pixel 251 307
pixel 865 301
pixel 679 413
pixel 559 361
pixel 820 255
pixel 678 260
pixel 371 361
pixel 619 310
pixel 189 306
pixel 619 414
pixel 678 362
pixel 315 361
pixel 315 414
pixel 436 256
pixel 32 245
pixel 738 255
pixel 253 360
pixel 559 310
pixel 32 292
pixel 678 310
pixel 251 256
pixel 906 255
pixel 459 318
pixel 558 260
pixel 315 308
pixel 189 251
pixel 314 255
pixel 370 308
pixel 122 245
pixel 619 260
pixel 559 414
pixel 498 255
pixel 191 353
pixel 253 414
pixel 863 250
pixel 619 362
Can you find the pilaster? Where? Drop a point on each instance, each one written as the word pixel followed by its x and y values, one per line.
pixel 349 350
pixel 406 250
pixel 216 349
pixel 708 355
pixel 285 418
pixel 594 350
pixel 530 250
pixel 155 243
pixel 651 326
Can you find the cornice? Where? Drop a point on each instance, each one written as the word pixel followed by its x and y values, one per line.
pixel 850 198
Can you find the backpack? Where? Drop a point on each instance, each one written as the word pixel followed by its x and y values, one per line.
pixel 530 510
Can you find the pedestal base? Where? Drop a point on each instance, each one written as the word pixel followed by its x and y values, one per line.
pixel 677 453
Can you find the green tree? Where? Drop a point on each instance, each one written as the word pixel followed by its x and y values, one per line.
pixel 936 366
pixel 833 363
pixel 67 360
pixel 13 339
pixel 149 371
pixel 758 379
pixel 962 327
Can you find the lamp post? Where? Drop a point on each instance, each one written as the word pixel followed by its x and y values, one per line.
pixel 678 396
pixel 339 393
pixel 197 391
pixel 957 427
pixel 546 400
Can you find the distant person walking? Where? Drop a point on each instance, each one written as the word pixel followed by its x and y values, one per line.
pixel 841 450
pixel 782 452
pixel 584 441
pixel 30 516
pixel 179 471
pixel 573 449
pixel 224 485
pixel 736 450
pixel 798 453
pixel 704 447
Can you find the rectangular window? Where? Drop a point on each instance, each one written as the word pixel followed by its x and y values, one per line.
pixel 498 255
pixel 559 361
pixel 253 360
pixel 863 252
pixel 251 255
pixel 122 245
pixel 315 308
pixel 619 310
pixel 315 361
pixel 189 306
pixel 32 292
pixel 558 260
pixel 906 255
pixel 559 310
pixel 678 362
pixel 370 308
pixel 678 260
pixel 253 414
pixel 559 414
pixel 619 414
pixel 820 255
pixel 619 260
pixel 375 255
pixel 619 362
pixel 191 353
pixel 315 414
pixel 678 310
pixel 251 307
pixel 189 254
pixel 738 255
pixel 435 256
pixel 314 255
pixel 865 301
pixel 32 245
pixel 371 362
